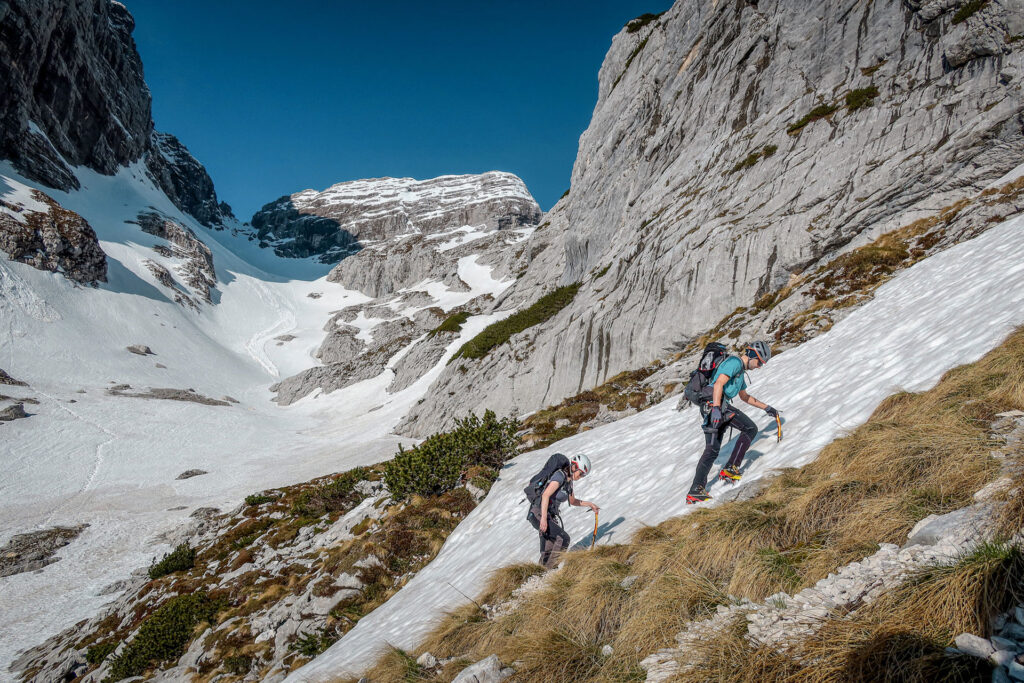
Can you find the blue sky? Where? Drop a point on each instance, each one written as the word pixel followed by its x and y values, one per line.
pixel 276 97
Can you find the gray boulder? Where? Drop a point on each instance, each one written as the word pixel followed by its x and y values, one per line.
pixel 13 412
pixel 485 671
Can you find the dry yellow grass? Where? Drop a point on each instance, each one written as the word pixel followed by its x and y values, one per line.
pixel 918 454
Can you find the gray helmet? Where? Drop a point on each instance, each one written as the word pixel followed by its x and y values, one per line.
pixel 581 462
pixel 760 350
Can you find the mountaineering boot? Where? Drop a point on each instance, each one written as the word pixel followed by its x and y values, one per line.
pixel 698 496
pixel 730 474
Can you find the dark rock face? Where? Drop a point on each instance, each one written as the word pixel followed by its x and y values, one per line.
pixel 70 68
pixel 74 95
pixel 47 236
pixel 184 180
pixel 336 222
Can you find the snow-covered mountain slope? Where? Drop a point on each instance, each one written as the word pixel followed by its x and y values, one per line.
pixel 90 452
pixel 945 311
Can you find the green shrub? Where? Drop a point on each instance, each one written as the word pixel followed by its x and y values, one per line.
pixel 164 635
pixel 336 495
pixel 967 10
pixel 754 157
pixel 819 112
pixel 634 25
pixel 238 664
pixel 258 499
pixel 181 558
pixel 564 195
pixel 499 332
pixel 861 97
pixel 452 323
pixel 601 273
pixel 437 465
pixel 98 652
pixel 312 644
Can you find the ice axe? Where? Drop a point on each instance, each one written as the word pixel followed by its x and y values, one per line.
pixel 594 539
pixel 778 424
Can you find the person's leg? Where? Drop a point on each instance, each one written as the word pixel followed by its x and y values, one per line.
pixel 712 443
pixel 748 430
pixel 545 542
pixel 559 541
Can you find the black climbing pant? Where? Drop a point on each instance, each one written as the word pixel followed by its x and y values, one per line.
pixel 713 443
pixel 552 542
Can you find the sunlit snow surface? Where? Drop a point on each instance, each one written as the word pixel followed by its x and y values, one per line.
pixel 945 311
pixel 112 461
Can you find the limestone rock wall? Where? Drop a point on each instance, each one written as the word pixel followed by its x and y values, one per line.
pixel 733 144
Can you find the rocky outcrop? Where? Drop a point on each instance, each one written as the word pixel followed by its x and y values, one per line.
pixel 74 95
pixel 166 394
pixel 13 412
pixel 36 230
pixel 341 219
pixel 342 368
pixel 734 145
pixel 196 268
pixel 7 379
pixel 34 550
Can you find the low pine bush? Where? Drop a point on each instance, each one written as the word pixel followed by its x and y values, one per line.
pixel 438 464
pixel 500 332
pixel 452 323
pixel 100 651
pixel 861 97
pixel 338 494
pixel 180 559
pixel 164 635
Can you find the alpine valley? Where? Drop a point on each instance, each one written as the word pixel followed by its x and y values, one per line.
pixel 294 447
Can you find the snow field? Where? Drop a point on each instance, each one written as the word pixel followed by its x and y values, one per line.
pixel 111 461
pixel 945 311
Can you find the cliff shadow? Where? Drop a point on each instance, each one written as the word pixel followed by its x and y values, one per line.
pixel 294 233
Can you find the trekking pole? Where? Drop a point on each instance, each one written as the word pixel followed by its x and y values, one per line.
pixel 594 539
pixel 778 423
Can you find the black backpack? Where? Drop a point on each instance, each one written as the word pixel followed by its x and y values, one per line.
pixel 698 389
pixel 556 462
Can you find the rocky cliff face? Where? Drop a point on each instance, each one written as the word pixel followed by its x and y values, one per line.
pixel 735 144
pixel 75 96
pixel 338 221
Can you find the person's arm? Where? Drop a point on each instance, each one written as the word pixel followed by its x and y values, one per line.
pixel 747 398
pixel 719 389
pixel 573 500
pixel 758 404
pixel 545 497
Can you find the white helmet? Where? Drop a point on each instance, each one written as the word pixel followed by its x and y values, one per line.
pixel 580 462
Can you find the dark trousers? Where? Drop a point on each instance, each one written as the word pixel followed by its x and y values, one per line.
pixel 713 443
pixel 554 541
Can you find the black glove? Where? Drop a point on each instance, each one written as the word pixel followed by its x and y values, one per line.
pixel 716 417
pixel 771 411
